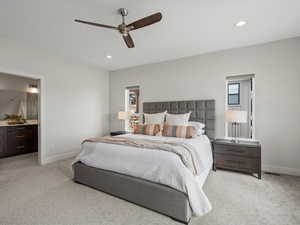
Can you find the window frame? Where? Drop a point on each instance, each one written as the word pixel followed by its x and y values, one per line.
pixel 238 94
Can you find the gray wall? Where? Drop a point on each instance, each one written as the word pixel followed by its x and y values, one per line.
pixel 277 70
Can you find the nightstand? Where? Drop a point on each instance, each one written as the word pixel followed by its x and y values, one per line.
pixel 242 156
pixel 116 133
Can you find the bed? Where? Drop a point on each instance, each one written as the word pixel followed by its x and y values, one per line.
pixel 134 182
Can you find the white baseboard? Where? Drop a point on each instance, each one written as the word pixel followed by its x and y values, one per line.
pixel 281 170
pixel 59 156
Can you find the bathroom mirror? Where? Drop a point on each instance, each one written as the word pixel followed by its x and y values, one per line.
pixel 20 103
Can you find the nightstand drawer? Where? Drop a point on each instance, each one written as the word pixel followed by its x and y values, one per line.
pixel 237 150
pixel 236 162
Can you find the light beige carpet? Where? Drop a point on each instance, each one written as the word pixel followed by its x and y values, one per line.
pixel 35 195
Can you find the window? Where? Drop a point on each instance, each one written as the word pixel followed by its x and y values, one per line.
pixel 233 93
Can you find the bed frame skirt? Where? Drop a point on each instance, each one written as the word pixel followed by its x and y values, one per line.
pixel 157 197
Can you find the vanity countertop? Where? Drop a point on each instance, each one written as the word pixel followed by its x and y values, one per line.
pixel 29 122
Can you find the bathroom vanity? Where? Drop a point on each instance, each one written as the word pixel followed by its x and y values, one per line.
pixel 18 139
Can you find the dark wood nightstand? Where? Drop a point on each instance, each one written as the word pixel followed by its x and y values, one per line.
pixel 242 156
pixel 115 133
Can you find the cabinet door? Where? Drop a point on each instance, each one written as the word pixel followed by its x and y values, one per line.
pixel 2 141
pixel 32 138
pixel 35 138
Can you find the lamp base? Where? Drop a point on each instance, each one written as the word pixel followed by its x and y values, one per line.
pixel 235 126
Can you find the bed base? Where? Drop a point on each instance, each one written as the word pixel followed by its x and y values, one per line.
pixel 156 197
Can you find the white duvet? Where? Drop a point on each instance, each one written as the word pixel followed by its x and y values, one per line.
pixel 157 166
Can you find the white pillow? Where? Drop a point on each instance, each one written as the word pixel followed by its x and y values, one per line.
pixel 178 119
pixel 200 132
pixel 199 127
pixel 155 118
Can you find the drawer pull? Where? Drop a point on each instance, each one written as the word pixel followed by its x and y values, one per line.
pixel 235 150
pixel 233 161
pixel 20 136
pixel 20 128
pixel 20 147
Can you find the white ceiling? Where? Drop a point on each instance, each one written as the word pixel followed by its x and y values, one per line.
pixel 188 27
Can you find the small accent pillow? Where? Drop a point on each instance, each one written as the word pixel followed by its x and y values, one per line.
pixel 179 131
pixel 199 127
pixel 155 118
pixel 178 119
pixel 147 129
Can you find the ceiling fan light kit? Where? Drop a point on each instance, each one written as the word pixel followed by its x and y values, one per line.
pixel 124 29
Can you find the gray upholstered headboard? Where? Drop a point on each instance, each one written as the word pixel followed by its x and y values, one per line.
pixel 202 111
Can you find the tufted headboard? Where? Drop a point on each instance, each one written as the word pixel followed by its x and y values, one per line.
pixel 202 111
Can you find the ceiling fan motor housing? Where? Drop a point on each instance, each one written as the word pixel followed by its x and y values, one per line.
pixel 123 29
pixel 123 11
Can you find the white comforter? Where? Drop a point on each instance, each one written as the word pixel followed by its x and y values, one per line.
pixel 156 166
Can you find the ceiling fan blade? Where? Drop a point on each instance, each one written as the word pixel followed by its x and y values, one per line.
pixel 96 24
pixel 154 18
pixel 128 40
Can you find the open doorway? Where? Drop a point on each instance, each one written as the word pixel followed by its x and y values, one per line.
pixel 239 107
pixel 19 116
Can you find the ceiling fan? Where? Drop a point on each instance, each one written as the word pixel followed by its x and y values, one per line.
pixel 124 29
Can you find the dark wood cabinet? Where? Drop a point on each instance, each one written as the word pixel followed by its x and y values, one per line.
pixel 16 140
pixel 242 156
pixel 2 141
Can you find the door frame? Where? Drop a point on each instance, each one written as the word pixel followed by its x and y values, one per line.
pixel 41 110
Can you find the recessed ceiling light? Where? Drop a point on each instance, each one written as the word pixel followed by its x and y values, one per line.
pixel 241 23
pixel 109 56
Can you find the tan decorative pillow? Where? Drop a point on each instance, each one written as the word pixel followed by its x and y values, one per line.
pixel 179 131
pixel 147 129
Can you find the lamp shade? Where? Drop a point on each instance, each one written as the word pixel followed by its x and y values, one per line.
pixel 123 116
pixel 236 116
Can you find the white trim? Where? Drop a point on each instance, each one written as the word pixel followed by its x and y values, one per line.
pixel 253 107
pixel 59 156
pixel 126 122
pixel 281 170
pixel 42 136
